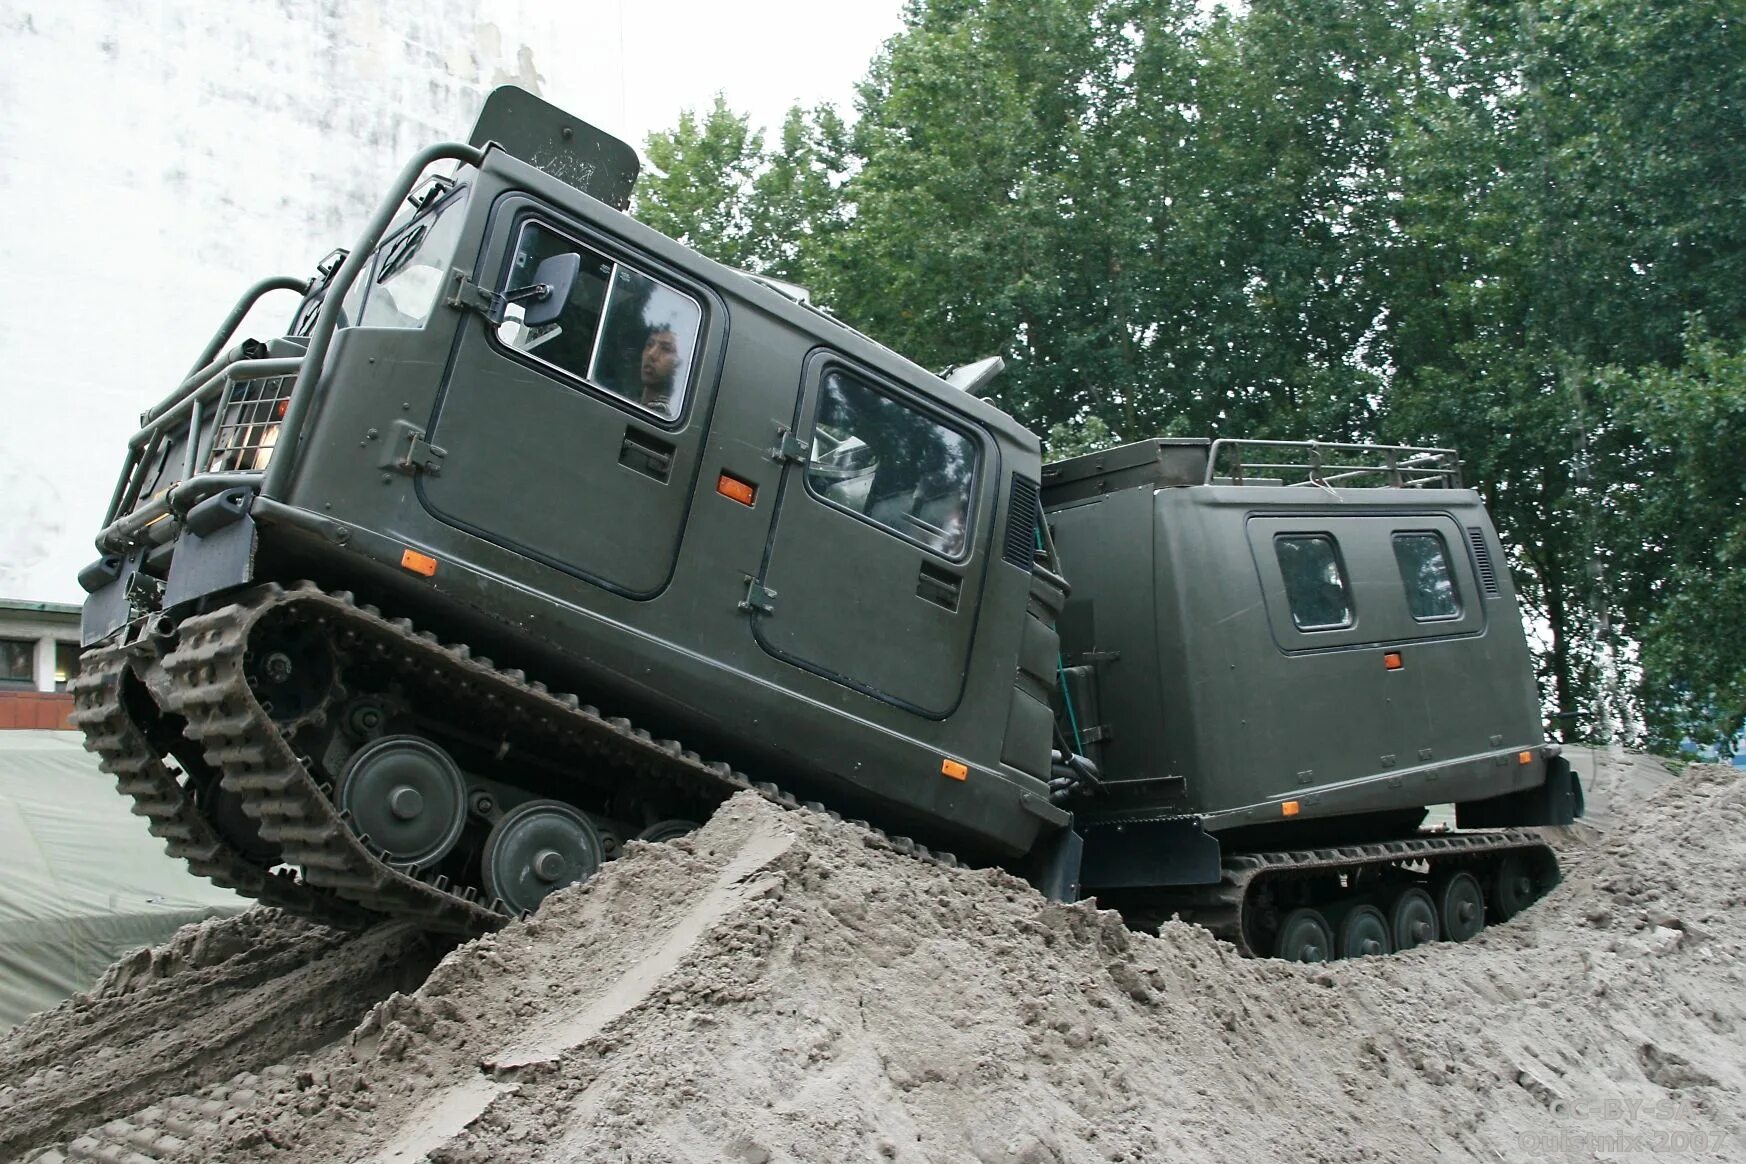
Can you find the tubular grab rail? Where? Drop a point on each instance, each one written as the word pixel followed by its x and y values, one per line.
pixel 214 377
pixel 327 322
pixel 1325 464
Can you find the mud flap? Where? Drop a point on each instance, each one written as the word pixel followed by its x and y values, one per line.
pixel 216 549
pixel 1556 802
pixel 1053 866
pixel 109 602
pixel 1145 854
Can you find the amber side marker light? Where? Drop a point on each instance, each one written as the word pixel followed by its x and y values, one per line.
pixel 418 563
pixel 1524 757
pixel 954 770
pixel 1290 808
pixel 735 489
pixel 1392 660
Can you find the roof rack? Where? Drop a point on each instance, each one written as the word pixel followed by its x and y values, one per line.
pixel 1313 464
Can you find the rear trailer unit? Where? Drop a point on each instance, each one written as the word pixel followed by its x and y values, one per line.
pixel 1277 655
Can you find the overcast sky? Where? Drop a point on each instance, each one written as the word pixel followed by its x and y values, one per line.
pixel 157 156
pixel 653 60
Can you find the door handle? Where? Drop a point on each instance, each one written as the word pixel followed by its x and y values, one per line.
pixel 940 587
pixel 645 454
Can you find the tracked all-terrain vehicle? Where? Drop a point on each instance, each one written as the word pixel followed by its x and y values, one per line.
pixel 538 532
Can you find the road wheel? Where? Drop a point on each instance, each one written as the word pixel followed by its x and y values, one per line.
pixel 1512 888
pixel 538 848
pixel 1304 936
pixel 1412 918
pixel 407 796
pixel 1460 906
pixel 1363 932
pixel 667 830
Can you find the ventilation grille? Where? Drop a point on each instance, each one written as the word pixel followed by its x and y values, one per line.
pixel 1482 556
pixel 1022 512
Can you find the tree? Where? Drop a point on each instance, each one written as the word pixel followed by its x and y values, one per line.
pixel 1274 193
pixel 1452 222
pixel 1557 169
pixel 984 208
pixel 798 211
pixel 700 189
pixel 1687 428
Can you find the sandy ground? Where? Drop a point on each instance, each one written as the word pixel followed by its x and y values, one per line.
pixel 775 989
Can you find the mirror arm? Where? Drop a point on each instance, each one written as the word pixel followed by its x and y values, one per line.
pixel 531 291
pixel 467 294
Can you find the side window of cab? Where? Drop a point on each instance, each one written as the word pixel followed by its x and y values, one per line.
pixel 892 464
pixel 615 328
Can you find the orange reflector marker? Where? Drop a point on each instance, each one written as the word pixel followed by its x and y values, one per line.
pixel 1392 660
pixel 419 563
pixel 953 770
pixel 735 489
pixel 1290 808
pixel 1524 757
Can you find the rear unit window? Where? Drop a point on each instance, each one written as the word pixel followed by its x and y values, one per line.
pixel 1315 581
pixel 1424 571
pixel 620 329
pixel 893 464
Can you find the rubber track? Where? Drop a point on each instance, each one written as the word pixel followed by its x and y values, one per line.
pixel 164 1130
pixel 1220 908
pixel 210 689
pixel 127 753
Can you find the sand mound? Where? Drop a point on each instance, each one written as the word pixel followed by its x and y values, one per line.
pixel 223 997
pixel 775 989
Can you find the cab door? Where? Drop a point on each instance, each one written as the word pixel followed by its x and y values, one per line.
pixel 575 441
pixel 878 547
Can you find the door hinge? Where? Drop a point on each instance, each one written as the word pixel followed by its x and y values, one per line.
pixel 410 453
pixel 469 296
pixel 759 599
pixel 790 448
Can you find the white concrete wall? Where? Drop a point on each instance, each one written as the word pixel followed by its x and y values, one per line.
pixel 158 156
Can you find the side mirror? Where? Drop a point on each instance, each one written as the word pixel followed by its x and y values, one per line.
pixel 545 297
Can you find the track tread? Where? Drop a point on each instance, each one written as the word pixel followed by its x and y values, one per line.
pixel 345 879
pixel 125 751
pixel 1222 908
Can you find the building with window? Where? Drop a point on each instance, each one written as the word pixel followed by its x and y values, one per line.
pixel 39 653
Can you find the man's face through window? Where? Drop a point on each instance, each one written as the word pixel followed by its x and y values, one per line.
pixel 660 361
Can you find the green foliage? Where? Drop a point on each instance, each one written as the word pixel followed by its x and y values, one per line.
pixel 1684 547
pixel 1570 183
pixel 798 212
pixel 1069 439
pixel 980 223
pixel 701 184
pixel 1460 222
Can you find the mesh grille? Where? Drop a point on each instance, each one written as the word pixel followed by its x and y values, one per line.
pixel 1022 512
pixel 248 425
pixel 1482 556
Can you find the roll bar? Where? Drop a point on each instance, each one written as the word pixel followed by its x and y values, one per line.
pixel 309 381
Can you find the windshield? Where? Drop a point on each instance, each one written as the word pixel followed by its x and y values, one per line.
pixel 409 268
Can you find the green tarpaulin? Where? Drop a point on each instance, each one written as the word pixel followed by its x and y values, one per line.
pixel 81 880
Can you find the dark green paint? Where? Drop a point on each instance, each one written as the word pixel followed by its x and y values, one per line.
pixel 583 539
